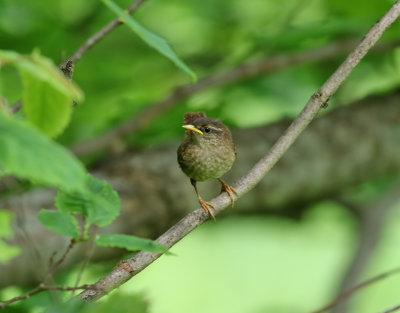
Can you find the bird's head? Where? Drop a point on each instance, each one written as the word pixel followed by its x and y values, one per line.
pixel 208 130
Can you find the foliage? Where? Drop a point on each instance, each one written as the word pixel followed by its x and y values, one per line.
pixel 47 95
pixel 98 202
pixel 121 76
pixel 130 243
pixel 36 157
pixel 60 222
pixel 27 152
pixel 150 38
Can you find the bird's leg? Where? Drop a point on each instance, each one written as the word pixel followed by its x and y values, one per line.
pixel 204 204
pixel 229 190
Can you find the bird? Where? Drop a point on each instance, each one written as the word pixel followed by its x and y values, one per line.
pixel 206 153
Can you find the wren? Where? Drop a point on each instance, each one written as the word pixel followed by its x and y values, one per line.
pixel 207 153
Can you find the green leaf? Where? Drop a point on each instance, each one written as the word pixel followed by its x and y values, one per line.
pixel 47 94
pixel 152 39
pixel 125 302
pixel 27 153
pixel 98 202
pixel 44 106
pixel 43 69
pixel 62 223
pixel 8 57
pixel 131 243
pixel 72 202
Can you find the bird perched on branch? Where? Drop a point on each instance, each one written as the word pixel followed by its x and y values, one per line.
pixel 206 153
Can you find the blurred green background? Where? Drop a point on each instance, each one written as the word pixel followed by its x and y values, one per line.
pixel 252 264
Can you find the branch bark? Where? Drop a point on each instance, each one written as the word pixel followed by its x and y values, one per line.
pixel 141 260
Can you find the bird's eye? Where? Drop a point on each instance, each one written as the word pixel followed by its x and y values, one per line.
pixel 207 130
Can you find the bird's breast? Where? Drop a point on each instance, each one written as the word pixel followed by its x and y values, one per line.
pixel 205 162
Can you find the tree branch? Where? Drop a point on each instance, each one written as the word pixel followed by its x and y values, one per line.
pixel 358 287
pixel 95 38
pixel 371 219
pixel 393 309
pixel 40 288
pixel 130 267
pixel 88 254
pixel 54 266
pixel 242 72
pixel 43 285
pixel 67 66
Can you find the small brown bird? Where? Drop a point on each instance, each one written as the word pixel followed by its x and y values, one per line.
pixel 206 153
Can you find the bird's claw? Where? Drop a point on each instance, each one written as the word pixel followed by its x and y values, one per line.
pixel 229 190
pixel 207 207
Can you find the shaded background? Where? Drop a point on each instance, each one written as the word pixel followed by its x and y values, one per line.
pixel 323 220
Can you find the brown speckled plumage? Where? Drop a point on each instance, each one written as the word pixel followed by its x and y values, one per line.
pixel 207 153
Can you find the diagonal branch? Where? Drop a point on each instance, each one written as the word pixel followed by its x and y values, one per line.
pixel 130 267
pixel 357 288
pixel 242 72
pixel 371 220
pixel 92 40
pixel 393 309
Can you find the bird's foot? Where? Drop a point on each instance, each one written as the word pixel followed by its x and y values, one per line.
pixel 229 190
pixel 207 207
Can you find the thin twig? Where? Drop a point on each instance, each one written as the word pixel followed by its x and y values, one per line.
pixel 95 38
pixel 54 266
pixel 43 285
pixel 40 288
pixel 242 72
pixel 358 287
pixel 67 66
pixel 88 255
pixel 393 309
pixel 130 267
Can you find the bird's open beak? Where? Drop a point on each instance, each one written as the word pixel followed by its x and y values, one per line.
pixel 192 128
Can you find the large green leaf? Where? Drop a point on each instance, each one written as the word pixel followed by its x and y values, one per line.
pixel 27 153
pixel 62 223
pixel 98 202
pixel 45 106
pixel 47 95
pixel 43 69
pixel 131 243
pixel 9 57
pixel 152 39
